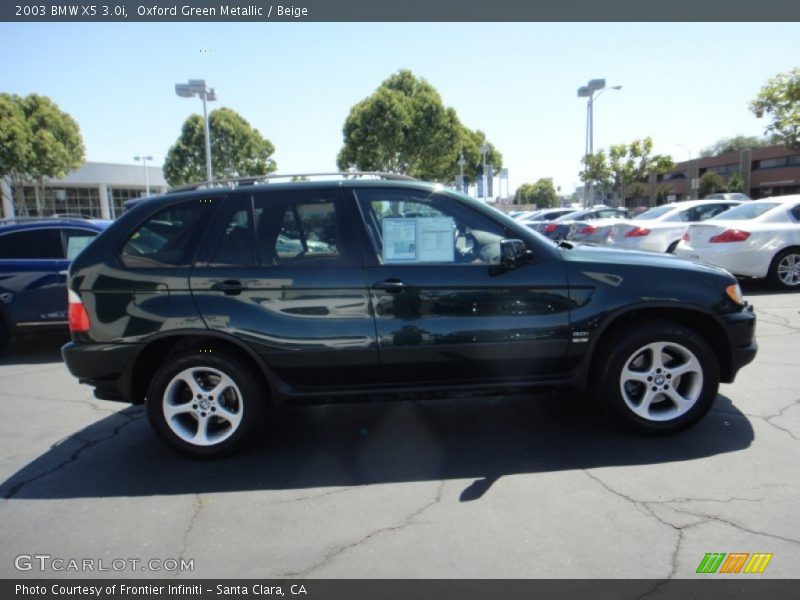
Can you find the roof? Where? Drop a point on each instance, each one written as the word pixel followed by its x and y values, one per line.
pixel 23 223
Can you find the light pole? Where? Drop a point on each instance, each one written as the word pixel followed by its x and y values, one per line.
pixel 588 91
pixel 484 152
pixel 198 87
pixel 144 160
pixel 461 163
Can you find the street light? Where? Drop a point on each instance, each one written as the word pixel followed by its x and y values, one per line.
pixel 461 162
pixel 144 160
pixel 484 152
pixel 198 87
pixel 588 91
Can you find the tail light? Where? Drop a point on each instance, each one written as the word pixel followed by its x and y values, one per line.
pixel 550 228
pixel 638 232
pixel 686 237
pixel 730 235
pixel 78 317
pixel 588 229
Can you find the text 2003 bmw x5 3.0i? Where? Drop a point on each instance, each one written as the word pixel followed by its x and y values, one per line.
pixel 212 304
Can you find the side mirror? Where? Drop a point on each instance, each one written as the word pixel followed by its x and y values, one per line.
pixel 513 253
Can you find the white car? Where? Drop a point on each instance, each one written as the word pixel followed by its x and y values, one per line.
pixel 760 239
pixel 659 229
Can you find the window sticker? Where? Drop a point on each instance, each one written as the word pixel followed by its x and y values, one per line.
pixel 418 239
pixel 76 244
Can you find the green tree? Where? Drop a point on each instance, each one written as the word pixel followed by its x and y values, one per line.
pixel 404 127
pixel 632 164
pixel 542 193
pixel 711 183
pixel 735 183
pixel 779 98
pixel 596 171
pixel 237 149
pixel 662 191
pixel 734 144
pixel 37 140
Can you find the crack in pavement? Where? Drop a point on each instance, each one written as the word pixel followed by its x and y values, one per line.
pixel 338 551
pixel 312 496
pixel 719 519
pixel 74 456
pixel 197 506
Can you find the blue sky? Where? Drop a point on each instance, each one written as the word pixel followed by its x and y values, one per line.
pixel 685 84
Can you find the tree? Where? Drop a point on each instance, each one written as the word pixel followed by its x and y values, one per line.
pixel 780 99
pixel 711 183
pixel 735 183
pixel 37 140
pixel 734 144
pixel 596 171
pixel 662 191
pixel 542 193
pixel 237 149
pixel 404 127
pixel 632 164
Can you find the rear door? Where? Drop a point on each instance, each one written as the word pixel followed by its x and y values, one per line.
pixel 32 277
pixel 284 275
pixel 444 311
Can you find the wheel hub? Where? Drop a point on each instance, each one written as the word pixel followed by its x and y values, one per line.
pixel 659 379
pixel 205 404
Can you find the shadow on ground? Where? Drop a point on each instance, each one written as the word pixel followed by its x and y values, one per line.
pixel 352 445
pixel 35 349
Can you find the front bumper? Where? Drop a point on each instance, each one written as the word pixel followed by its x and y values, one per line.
pixel 740 328
pixel 106 367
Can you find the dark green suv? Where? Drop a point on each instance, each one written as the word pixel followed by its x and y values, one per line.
pixel 212 304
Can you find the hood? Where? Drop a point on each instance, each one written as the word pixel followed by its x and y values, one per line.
pixel 586 253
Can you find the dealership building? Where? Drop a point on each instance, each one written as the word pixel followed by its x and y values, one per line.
pixel 97 190
pixel 769 171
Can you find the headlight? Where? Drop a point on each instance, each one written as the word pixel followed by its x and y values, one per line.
pixel 735 293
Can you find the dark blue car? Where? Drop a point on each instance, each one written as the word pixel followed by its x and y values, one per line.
pixel 35 254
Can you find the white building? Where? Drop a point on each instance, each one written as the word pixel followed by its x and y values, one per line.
pixel 96 189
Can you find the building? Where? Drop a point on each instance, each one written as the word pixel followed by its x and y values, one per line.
pixel 95 190
pixel 770 171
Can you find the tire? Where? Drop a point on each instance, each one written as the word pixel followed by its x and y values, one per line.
pixel 784 272
pixel 672 246
pixel 205 405
pixel 657 376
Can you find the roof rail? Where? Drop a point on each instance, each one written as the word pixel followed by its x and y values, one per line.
pixel 262 179
pixel 45 218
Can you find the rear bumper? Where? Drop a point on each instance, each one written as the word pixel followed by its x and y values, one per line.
pixel 106 367
pixel 741 330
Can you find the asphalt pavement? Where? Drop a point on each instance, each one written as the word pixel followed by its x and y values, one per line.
pixel 533 486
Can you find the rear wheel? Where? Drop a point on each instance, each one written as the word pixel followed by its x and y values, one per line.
pixel 658 377
pixel 784 272
pixel 205 405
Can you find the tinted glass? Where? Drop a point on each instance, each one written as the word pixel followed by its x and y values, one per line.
pixel 32 244
pixel 170 237
pixel 746 211
pixel 414 227
pixel 75 240
pixel 796 212
pixel 656 212
pixel 236 246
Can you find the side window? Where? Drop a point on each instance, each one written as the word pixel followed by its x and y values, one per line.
pixel 32 244
pixel 299 229
pixel 796 213
pixel 169 238
pixel 706 212
pixel 236 246
pixel 683 216
pixel 75 240
pixel 413 227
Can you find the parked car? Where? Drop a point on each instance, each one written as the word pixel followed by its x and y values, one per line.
pixel 583 225
pixel 545 214
pixel 728 196
pixel 660 228
pixel 758 239
pixel 34 256
pixel 213 323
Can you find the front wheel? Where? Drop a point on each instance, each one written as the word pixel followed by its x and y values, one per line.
pixel 658 377
pixel 205 405
pixel 784 271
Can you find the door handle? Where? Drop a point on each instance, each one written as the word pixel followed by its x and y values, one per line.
pixel 231 287
pixel 393 286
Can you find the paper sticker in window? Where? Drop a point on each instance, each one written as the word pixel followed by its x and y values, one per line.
pixel 399 240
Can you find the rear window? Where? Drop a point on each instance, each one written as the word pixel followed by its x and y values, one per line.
pixel 746 211
pixel 654 213
pixel 169 238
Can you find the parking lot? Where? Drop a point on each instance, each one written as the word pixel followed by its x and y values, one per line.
pixel 513 487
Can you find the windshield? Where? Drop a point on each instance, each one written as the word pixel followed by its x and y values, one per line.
pixel 745 211
pixel 656 212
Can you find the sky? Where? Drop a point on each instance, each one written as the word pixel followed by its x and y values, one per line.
pixel 686 85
